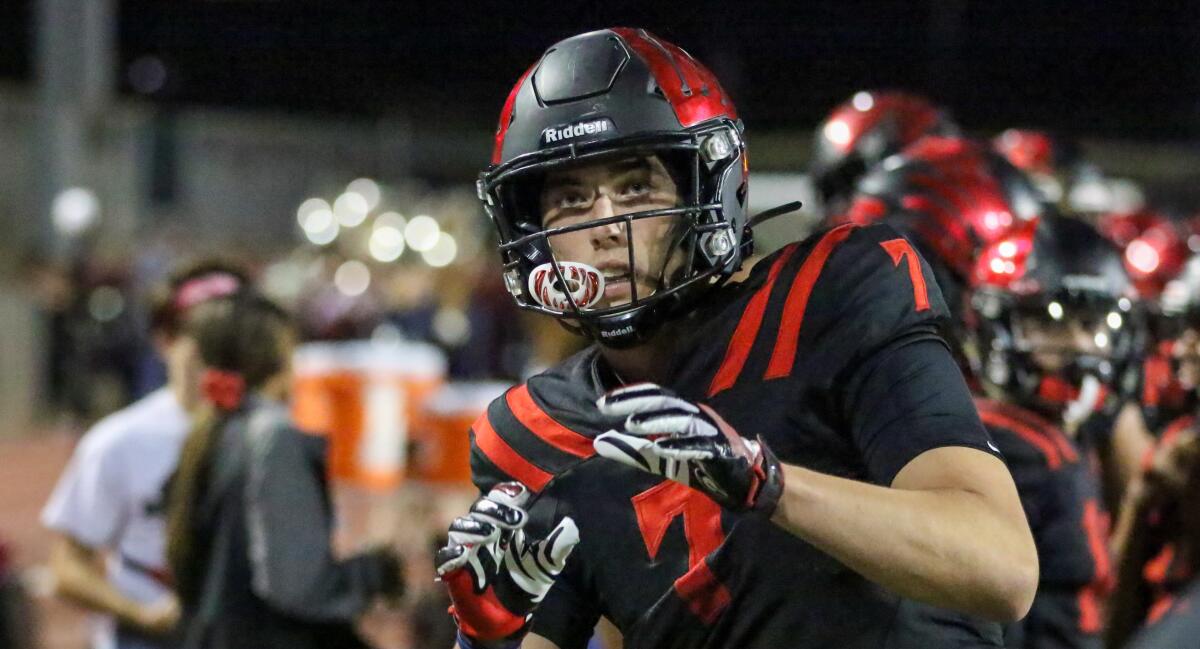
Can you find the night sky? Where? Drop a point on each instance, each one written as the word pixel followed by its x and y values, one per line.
pixel 1084 68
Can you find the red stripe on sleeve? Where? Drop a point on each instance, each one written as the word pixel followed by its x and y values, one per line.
pixel 537 420
pixel 503 456
pixel 747 329
pixel 1047 447
pixel 784 355
pixel 1065 447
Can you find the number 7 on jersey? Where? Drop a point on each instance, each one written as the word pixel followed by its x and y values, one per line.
pixel 898 250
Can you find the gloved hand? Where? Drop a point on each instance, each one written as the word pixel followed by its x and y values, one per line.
pixel 690 444
pixel 495 574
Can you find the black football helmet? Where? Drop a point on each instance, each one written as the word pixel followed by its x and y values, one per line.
pixel 608 95
pixel 862 131
pixel 1069 280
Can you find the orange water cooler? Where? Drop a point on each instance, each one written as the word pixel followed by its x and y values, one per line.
pixel 441 444
pixel 366 397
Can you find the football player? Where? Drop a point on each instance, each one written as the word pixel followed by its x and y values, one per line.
pixel 860 132
pixel 108 508
pixel 792 460
pixel 1047 333
pixel 1158 534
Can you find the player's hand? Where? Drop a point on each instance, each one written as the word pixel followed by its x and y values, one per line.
pixel 691 444
pixel 160 617
pixel 496 575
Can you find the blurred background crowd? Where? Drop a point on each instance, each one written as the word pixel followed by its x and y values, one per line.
pixel 331 151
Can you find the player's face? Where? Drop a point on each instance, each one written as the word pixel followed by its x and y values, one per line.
pixel 587 193
pixel 1186 352
pixel 1053 343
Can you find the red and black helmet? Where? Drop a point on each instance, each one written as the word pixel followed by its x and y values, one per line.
pixel 606 95
pixel 1155 248
pixel 864 130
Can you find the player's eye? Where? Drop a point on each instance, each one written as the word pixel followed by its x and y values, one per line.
pixel 635 189
pixel 571 199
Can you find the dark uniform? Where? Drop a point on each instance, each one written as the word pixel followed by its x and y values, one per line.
pixel 830 352
pixel 1060 495
pixel 1178 627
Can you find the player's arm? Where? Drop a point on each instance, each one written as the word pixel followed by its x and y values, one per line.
pixel 1121 458
pixel 943 524
pixel 949 531
pixel 79 576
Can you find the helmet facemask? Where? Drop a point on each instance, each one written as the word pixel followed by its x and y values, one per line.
pixel 616 278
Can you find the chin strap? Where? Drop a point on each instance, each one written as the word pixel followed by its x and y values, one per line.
pixel 767 215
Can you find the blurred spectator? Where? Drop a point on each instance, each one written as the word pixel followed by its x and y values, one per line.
pixel 250 519
pixel 108 504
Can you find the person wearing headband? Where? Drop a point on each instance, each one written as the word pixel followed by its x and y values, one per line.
pixel 107 508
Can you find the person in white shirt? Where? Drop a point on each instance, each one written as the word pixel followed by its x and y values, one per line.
pixel 108 508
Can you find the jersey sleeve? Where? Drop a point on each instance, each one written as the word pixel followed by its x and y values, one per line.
pixel 90 500
pixel 908 399
pixel 568 615
pixel 877 317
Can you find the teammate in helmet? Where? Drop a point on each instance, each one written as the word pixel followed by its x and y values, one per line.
pixel 1050 160
pixel 860 132
pixel 643 503
pixel 1045 337
pixel 1158 534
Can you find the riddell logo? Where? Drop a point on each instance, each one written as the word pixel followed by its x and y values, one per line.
pixel 627 329
pixel 579 129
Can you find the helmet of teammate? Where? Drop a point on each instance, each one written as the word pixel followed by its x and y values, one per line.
pixel 1047 159
pixel 1155 249
pixel 864 130
pixel 608 95
pixel 952 195
pixel 1053 324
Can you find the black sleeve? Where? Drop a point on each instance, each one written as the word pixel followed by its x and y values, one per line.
pixel 289 523
pixel 910 397
pixel 567 616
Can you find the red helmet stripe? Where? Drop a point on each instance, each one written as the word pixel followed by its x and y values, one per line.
pixel 506 116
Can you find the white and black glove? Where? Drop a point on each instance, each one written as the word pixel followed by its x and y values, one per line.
pixel 690 444
pixel 495 574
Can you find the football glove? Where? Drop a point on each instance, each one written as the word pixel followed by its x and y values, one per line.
pixel 495 574
pixel 690 444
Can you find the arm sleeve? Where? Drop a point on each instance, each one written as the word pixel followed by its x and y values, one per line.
pixel 289 523
pixel 908 399
pixel 567 617
pixel 89 502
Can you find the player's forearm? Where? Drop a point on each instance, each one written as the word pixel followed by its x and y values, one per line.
pixel 1123 456
pixel 948 547
pixel 79 579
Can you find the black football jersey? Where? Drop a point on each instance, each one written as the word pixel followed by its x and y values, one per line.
pixel 829 351
pixel 1178 626
pixel 1061 498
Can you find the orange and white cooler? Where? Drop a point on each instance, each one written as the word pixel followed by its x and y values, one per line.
pixel 441 444
pixel 365 396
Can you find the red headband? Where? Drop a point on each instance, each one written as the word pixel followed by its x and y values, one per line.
pixel 222 388
pixel 205 288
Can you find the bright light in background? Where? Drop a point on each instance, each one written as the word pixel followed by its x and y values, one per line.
pixel 863 101
pixel 443 252
pixel 1101 340
pixel 74 210
pixel 1007 249
pixel 350 209
pixel 422 233
pixel 321 228
pixel 392 220
pixel 367 188
pixel 310 206
pixel 1056 310
pixel 1142 256
pixel 352 278
pixel 1114 320
pixel 386 244
pixel 838 132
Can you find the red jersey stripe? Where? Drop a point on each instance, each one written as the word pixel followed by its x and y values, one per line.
pixel 503 456
pixel 1048 449
pixel 526 410
pixel 747 329
pixel 784 355
pixel 705 595
pixel 1065 447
